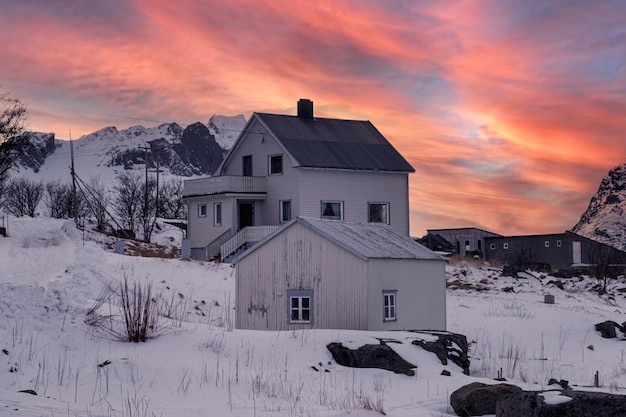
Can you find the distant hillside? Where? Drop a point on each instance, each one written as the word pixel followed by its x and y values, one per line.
pixel 196 150
pixel 604 219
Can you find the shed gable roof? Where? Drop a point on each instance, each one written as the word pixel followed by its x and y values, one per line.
pixel 334 143
pixel 363 240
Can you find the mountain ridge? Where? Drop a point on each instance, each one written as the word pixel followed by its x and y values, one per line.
pixel 195 150
pixel 604 219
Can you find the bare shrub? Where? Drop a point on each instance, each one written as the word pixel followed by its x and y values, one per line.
pixel 139 311
pixel 136 312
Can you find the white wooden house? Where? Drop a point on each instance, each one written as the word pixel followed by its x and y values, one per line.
pixel 285 166
pixel 316 273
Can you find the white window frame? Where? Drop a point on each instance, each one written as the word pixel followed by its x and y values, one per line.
pixel 201 210
pixel 217 214
pixel 390 305
pixel 322 205
pixel 301 308
pixel 281 209
pixel 384 209
pixel 547 243
pixel 270 171
pixel 492 246
pixel 505 245
pixel 559 243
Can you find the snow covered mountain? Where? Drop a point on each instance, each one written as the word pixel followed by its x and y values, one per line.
pixel 195 150
pixel 604 219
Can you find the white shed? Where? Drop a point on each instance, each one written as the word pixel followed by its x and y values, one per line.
pixel 328 274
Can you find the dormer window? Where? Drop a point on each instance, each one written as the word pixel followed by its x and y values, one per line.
pixel 275 164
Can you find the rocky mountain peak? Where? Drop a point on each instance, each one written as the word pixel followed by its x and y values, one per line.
pixel 604 219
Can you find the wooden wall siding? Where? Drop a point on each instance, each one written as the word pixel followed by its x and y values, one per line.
pixel 261 145
pixel 420 297
pixel 300 259
pixel 356 189
pixel 200 230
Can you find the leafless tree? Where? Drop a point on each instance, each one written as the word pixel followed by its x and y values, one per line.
pixel 171 204
pixel 22 197
pixel 98 200
pixel 128 199
pixel 62 202
pixel 12 143
pixel 147 218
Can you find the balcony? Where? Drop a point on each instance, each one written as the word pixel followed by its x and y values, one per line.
pixel 225 184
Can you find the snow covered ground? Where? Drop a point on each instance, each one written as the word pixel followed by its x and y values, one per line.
pixel 51 275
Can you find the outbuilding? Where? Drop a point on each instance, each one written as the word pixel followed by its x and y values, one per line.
pixel 329 274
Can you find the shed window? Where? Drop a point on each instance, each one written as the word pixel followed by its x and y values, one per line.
pixel 492 246
pixel 547 243
pixel 558 243
pixel 505 245
pixel 378 213
pixel 276 165
pixel 332 210
pixel 389 305
pixel 217 214
pixel 300 307
pixel 201 210
pixel 285 211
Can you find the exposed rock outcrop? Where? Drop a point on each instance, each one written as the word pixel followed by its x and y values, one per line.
pixel 561 404
pixel 477 399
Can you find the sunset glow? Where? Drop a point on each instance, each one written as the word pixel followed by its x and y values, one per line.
pixel 510 112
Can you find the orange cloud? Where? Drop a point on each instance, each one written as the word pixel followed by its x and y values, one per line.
pixel 509 112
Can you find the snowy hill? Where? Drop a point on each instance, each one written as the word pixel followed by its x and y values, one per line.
pixel 195 150
pixel 53 275
pixel 605 220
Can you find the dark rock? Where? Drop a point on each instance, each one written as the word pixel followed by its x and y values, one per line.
pixel 562 383
pixel 582 404
pixel 448 346
pixel 477 399
pixel 371 356
pixel 607 329
pixel 28 391
pixel 445 373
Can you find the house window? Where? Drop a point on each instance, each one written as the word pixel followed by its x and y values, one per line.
pixel 285 211
pixel 332 210
pixel 217 214
pixel 378 213
pixel 300 306
pixel 201 210
pixel 547 243
pixel 492 246
pixel 389 305
pixel 558 243
pixel 505 245
pixel 467 246
pixel 247 166
pixel 276 165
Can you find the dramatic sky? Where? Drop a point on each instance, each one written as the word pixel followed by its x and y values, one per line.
pixel 510 111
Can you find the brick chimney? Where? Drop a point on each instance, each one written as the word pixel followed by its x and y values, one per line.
pixel 305 109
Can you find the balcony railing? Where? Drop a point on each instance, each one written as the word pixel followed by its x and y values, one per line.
pixel 224 184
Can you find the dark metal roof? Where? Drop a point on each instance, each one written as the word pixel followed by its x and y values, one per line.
pixel 335 143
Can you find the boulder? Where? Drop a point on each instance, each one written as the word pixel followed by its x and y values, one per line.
pixel 561 404
pixel 477 399
pixel 607 329
pixel 448 346
pixel 371 356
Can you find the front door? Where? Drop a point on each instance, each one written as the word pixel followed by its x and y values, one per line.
pixel 246 214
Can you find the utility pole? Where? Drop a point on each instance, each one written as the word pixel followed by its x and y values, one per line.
pixel 74 211
pixel 145 195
